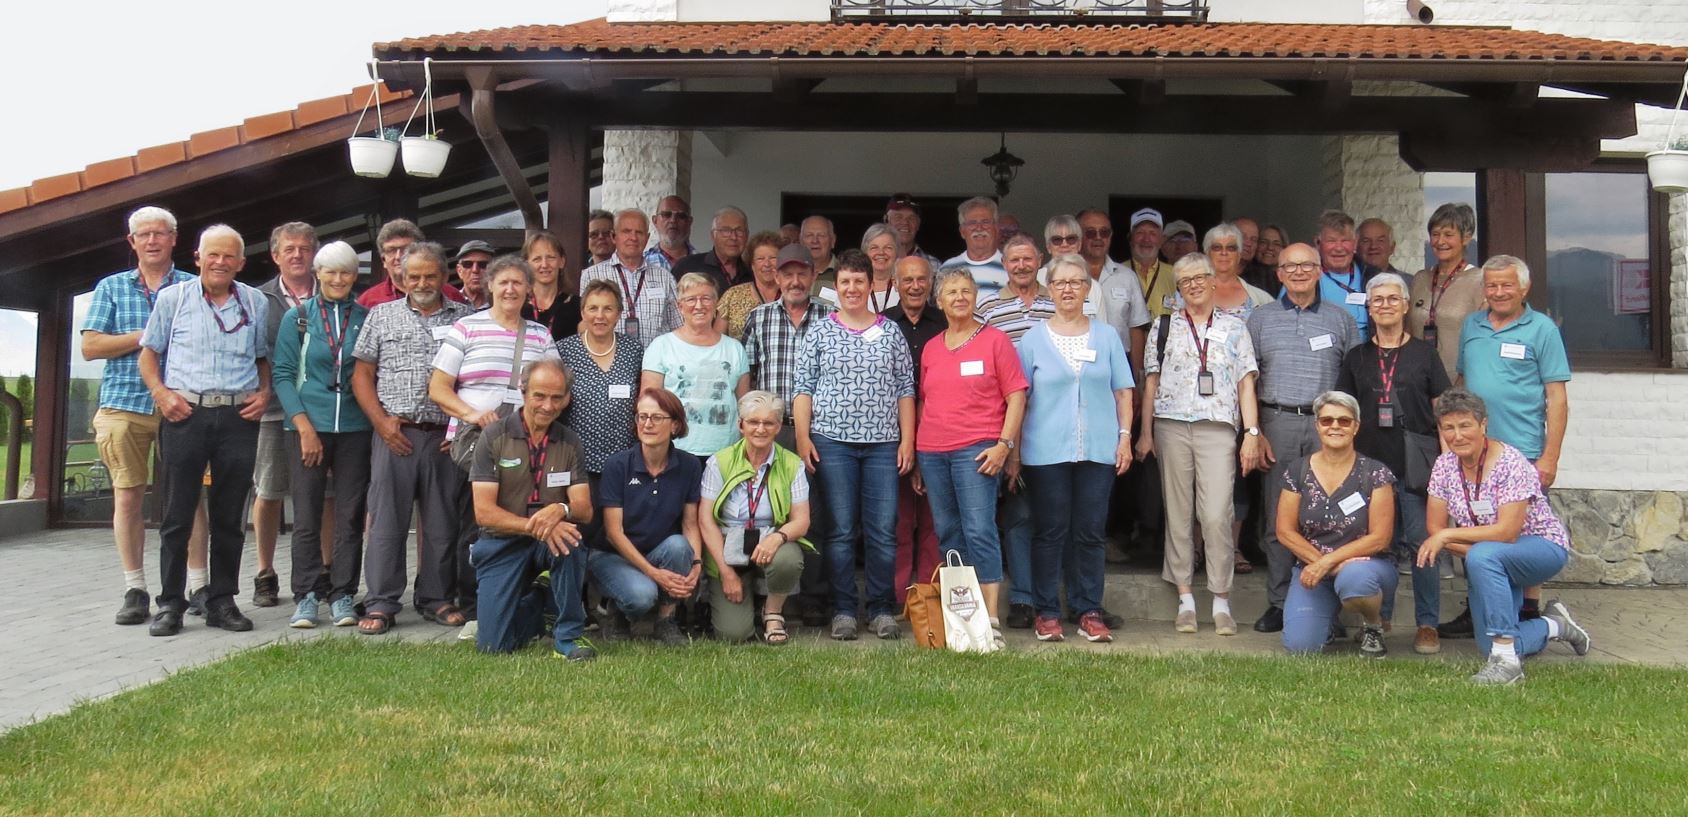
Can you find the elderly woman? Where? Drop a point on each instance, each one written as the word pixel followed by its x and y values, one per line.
pixel 736 303
pixel 1061 236
pixel 707 370
pixel 553 303
pixel 1396 378
pixel 1077 438
pixel 853 402
pixel 1336 514
pixel 1487 504
pixel 1200 372
pixel 880 245
pixel 972 401
pixel 1231 294
pixel 606 369
pixel 1444 294
pixel 753 514
pixel 327 435
pixel 651 552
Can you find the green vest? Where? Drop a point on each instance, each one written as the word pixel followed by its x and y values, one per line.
pixel 736 469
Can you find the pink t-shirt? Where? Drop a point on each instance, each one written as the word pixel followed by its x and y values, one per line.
pixel 964 392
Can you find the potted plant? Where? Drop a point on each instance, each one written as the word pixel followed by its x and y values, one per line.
pixel 1668 168
pixel 372 155
pixel 425 155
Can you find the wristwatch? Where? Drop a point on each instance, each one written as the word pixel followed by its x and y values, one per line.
pixel 1252 431
pixel 1007 442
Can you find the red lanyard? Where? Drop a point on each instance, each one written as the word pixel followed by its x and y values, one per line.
pixel 244 318
pixel 632 294
pixel 1436 292
pixel 754 494
pixel 1388 375
pixel 1201 342
pixel 151 295
pixel 536 464
pixel 1472 493
pixel 335 343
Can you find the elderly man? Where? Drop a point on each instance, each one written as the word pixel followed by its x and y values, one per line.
pixel 127 421
pixel 472 259
pixel 1007 226
pixel 600 236
pixel 1255 272
pixel 1377 248
pixel 920 321
pixel 1342 280
pixel 1116 296
pixel 647 292
pixel 293 247
pixel 724 262
pixel 409 467
pixel 1180 241
pixel 205 361
pixel 1154 276
pixel 1299 342
pixel 394 238
pixel 531 499
pixel 819 239
pixel 902 215
pixel 982 258
pixel 673 223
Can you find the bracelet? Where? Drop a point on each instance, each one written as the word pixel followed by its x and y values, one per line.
pixel 696 562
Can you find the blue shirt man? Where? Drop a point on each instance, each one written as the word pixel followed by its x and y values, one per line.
pixel 1514 358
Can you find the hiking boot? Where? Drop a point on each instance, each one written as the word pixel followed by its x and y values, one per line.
pixel 1048 628
pixel 1570 631
pixel 266 589
pixel 1427 642
pixel 1186 621
pixel 667 632
pixel 616 627
pixel 885 626
pixel 1371 642
pixel 1499 672
pixel 304 613
pixel 137 606
pixel 1460 627
pixel 1091 627
pixel 577 651
pixel 843 628
pixel 1020 616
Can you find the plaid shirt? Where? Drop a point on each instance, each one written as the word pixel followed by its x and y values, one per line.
pixel 771 344
pixel 647 293
pixel 121 305
pixel 655 257
pixel 401 342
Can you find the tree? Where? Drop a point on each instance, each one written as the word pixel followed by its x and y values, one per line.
pixel 26 394
pixel 80 413
pixel 5 416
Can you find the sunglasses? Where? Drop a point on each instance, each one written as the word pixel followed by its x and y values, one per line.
pixel 673 214
pixel 600 234
pixel 1063 239
pixel 1337 422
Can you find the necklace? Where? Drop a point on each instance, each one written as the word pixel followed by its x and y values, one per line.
pixel 594 352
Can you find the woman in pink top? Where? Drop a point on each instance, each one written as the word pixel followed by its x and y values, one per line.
pixel 972 399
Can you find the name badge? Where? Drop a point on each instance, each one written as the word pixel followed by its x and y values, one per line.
pixel 558 479
pixel 1117 294
pixel 873 333
pixel 440 332
pixel 620 391
pixel 1324 341
pixel 1355 299
pixel 1483 507
pixel 1086 355
pixel 1089 308
pixel 972 368
pixel 1512 351
pixel 829 295
pixel 1353 503
pixel 1217 335
pixel 1169 301
pixel 513 396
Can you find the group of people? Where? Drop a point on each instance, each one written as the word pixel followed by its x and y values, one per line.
pixel 655 426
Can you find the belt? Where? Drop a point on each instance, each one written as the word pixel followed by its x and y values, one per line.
pixel 217 399
pixel 423 426
pixel 1288 409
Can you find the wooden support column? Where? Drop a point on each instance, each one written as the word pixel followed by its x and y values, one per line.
pixel 52 389
pixel 568 185
pixel 1510 220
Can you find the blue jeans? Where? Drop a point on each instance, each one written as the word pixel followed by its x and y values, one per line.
pixel 511 609
pixel 964 508
pixel 632 591
pixel 1498 572
pixel 859 482
pixel 1070 506
pixel 1014 519
pixel 1427 581
pixel 1308 613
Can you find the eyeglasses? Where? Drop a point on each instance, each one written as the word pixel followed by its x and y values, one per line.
pixel 600 234
pixel 1066 283
pixel 1063 239
pixel 697 300
pixel 1308 266
pixel 650 419
pixel 1335 421
pixel 674 214
pixel 148 235
pixel 987 222
pixel 1102 233
pixel 732 231
pixel 394 252
pixel 1193 279
pixel 1222 248
pixel 762 423
pixel 472 264
pixel 1387 300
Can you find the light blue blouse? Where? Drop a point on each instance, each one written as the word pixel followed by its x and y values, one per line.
pixel 1072 417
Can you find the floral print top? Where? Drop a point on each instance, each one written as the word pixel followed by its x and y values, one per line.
pixel 1512 479
pixel 1333 520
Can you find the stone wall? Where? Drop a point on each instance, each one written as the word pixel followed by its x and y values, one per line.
pixel 643 166
pixel 1365 177
pixel 1624 537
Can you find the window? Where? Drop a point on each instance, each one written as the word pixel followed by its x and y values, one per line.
pixel 1606 276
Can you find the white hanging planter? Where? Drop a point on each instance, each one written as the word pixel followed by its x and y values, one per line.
pixel 372 156
pixel 425 155
pixel 1668 169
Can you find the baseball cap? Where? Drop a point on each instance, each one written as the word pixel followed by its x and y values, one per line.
pixel 476 245
pixel 902 201
pixel 795 254
pixel 1148 214
pixel 1178 227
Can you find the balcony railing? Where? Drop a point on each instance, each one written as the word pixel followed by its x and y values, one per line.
pixel 1044 11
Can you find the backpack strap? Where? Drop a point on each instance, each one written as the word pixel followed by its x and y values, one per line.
pixel 1164 325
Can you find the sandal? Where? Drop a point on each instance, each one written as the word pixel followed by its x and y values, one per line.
pixel 375 623
pixel 446 615
pixel 774 630
pixel 1242 564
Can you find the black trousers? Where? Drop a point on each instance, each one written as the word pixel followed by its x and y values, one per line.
pixel 221 439
pixel 345 460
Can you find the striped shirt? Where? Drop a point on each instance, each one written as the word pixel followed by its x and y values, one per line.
pixel 402 342
pixel 771 344
pixel 121 304
pixel 990 275
pixel 1014 316
pixel 187 331
pixel 477 353
pixel 647 293
pixel 1300 350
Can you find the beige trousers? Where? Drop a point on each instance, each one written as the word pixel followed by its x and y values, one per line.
pixel 1198 466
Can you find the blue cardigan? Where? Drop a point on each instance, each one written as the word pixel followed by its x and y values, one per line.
pixel 1072 417
pixel 304 368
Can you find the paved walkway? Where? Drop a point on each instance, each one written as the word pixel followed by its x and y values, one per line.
pixel 61 646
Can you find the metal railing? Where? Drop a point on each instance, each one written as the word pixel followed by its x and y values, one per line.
pixel 1048 11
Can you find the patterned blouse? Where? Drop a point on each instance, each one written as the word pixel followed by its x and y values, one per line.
pixel 1512 479
pixel 1331 521
pixel 855 379
pixel 1230 357
pixel 601 403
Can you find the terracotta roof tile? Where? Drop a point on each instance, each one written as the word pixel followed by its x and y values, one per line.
pixel 317 110
pixel 269 124
pixel 212 141
pixel 16 198
pixel 159 156
pixel 599 37
pixel 53 187
pixel 110 170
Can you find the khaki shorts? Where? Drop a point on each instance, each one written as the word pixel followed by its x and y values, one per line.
pixel 125 440
pixel 270 475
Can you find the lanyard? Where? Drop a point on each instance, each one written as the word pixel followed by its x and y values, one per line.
pixel 1149 291
pixel 631 293
pixel 1437 291
pixel 1387 375
pixel 335 343
pixel 151 295
pixel 1200 342
pixel 754 494
pixel 1472 494
pixel 1345 287
pixel 536 464
pixel 244 318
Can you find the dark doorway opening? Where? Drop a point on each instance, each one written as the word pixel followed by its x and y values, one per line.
pixel 1202 213
pixel 940 230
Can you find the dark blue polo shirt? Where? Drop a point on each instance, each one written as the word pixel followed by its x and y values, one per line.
pixel 651 506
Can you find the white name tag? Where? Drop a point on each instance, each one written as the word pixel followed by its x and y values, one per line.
pixel 1512 351
pixel 972 368
pixel 1169 301
pixel 620 391
pixel 829 295
pixel 1483 507
pixel 513 396
pixel 1324 341
pixel 1216 335
pixel 557 479
pixel 1086 355
pixel 440 332
pixel 1355 299
pixel 873 333
pixel 1117 294
pixel 1353 503
pixel 1089 308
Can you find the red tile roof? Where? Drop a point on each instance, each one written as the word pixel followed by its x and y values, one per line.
pixel 598 37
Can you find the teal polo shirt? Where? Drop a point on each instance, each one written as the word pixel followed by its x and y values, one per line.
pixel 1509 369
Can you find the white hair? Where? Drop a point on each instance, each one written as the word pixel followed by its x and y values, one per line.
pixel 1387 279
pixel 150 214
pixel 758 402
pixel 222 231
pixel 977 203
pixel 1512 262
pixel 715 221
pixel 338 256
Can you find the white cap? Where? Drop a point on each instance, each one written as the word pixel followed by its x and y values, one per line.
pixel 1146 214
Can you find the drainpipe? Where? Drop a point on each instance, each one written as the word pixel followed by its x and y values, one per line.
pixel 484 84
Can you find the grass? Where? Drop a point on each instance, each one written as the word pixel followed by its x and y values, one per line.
pixel 337 726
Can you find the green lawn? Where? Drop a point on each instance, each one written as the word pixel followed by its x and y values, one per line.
pixel 339 726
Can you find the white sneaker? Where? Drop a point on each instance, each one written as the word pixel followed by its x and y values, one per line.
pixel 1499 672
pixel 1570 631
pixel 469 631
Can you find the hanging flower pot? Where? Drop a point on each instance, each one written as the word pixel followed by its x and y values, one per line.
pixel 1668 168
pixel 372 156
pixel 424 155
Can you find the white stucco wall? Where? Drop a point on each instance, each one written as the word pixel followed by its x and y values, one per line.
pixel 1628 431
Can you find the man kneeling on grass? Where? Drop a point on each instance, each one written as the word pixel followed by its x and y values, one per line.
pixel 531 497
